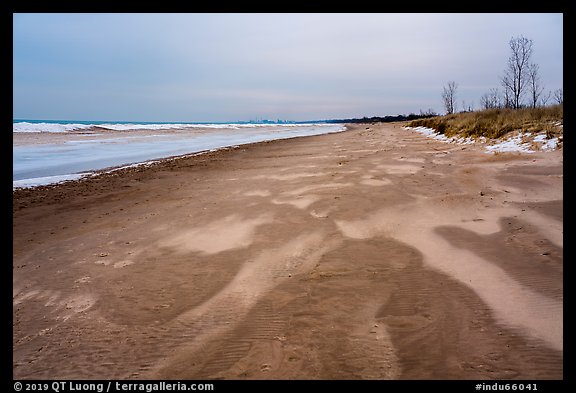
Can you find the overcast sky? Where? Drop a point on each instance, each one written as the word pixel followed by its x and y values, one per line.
pixel 229 67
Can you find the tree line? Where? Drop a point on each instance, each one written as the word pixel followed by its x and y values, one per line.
pixel 387 119
pixel 521 83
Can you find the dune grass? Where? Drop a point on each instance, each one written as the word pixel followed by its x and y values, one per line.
pixel 494 123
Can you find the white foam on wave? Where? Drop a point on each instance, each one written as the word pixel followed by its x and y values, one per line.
pixel 48 127
pixel 68 127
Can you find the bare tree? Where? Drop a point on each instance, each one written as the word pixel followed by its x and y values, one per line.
pixel 429 113
pixel 545 98
pixel 507 99
pixel 495 98
pixel 559 96
pixel 467 107
pixel 534 84
pixel 516 74
pixel 449 97
pixel 490 100
pixel 485 102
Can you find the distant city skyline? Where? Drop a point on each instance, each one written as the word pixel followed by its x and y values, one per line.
pixel 238 67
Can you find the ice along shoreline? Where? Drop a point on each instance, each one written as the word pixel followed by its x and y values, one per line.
pixel 43 164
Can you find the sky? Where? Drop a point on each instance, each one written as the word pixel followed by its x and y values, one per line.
pixel 238 67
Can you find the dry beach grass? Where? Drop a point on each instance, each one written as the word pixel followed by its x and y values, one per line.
pixel 495 123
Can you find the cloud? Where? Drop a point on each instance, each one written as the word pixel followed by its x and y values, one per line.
pixel 164 64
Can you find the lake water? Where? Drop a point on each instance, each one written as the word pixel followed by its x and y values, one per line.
pixel 81 148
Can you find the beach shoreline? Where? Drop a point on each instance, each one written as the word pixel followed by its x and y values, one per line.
pixel 46 157
pixel 373 253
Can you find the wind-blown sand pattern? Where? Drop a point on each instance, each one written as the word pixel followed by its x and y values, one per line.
pixel 377 253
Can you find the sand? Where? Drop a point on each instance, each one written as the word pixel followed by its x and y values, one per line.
pixel 376 253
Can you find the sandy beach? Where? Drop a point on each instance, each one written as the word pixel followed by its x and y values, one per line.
pixel 375 253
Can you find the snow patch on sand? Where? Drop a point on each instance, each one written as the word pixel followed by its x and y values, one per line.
pixel 519 143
